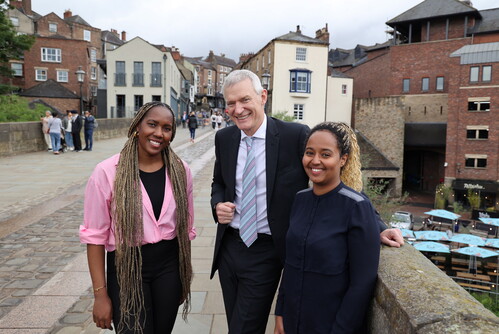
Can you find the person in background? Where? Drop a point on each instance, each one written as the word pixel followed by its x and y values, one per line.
pixel 213 120
pixel 75 130
pixel 219 120
pixel 249 251
pixel 55 128
pixel 333 243
pixel 66 125
pixel 45 129
pixel 88 130
pixel 139 209
pixel 193 125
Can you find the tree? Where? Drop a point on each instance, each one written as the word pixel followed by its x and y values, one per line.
pixel 12 45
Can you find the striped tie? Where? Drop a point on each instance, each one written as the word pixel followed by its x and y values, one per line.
pixel 247 228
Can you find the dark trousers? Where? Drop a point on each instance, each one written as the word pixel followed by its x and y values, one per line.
pixel 193 132
pixel 77 140
pixel 160 283
pixel 89 138
pixel 249 278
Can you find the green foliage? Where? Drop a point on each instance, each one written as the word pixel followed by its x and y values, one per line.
pixel 487 302
pixel 381 198
pixel 16 109
pixel 458 207
pixel 283 116
pixel 12 45
pixel 474 199
pixel 442 194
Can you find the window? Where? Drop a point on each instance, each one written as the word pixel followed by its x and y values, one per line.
pixel 477 132
pixel 270 57
pixel 53 27
pixel 156 98
pixel 210 91
pixel 209 73
pixel 209 81
pixel 41 74
pixel 86 35
pixel 486 73
pixel 344 89
pixel 93 73
pixel 300 81
pixel 138 101
pixel 474 70
pixel 120 75
pixel 62 75
pixel 257 67
pixel 15 21
pixel 17 68
pixel 301 54
pixel 440 83
pixel 156 74
pixel 51 55
pixel 406 85
pixel 138 74
pixel 475 160
pixel 425 84
pixel 478 105
pixel 93 55
pixel 93 90
pixel 263 61
pixel 298 112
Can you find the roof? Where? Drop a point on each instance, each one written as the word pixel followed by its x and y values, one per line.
pixel 49 88
pixel 298 37
pixel 433 8
pixel 199 61
pixel 225 61
pixel 77 19
pixel 111 37
pixel 373 159
pixel 478 53
pixel 338 74
pixel 488 23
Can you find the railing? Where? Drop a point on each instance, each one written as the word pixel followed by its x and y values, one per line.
pixel 156 80
pixel 120 79
pixel 138 80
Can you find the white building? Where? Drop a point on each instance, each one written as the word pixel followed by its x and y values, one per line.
pixel 139 72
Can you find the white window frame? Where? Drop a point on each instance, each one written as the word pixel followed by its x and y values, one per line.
pixel 209 73
pixel 270 57
pixel 62 75
pixel 15 21
pixel 481 102
pixel 93 55
pixel 477 129
pixel 40 74
pixel 87 35
pixel 17 68
pixel 298 111
pixel 301 54
pixel 475 158
pixel 93 73
pixel 53 27
pixel 51 55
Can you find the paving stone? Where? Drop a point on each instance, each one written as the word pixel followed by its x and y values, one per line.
pixel 75 318
pixel 25 284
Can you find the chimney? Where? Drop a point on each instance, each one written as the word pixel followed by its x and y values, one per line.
pixel 123 36
pixel 322 34
pixel 68 13
pixel 298 31
pixel 24 6
pixel 115 32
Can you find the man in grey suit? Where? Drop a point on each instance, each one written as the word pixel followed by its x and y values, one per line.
pixel 249 270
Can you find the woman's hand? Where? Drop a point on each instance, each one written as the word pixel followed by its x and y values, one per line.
pixel 279 325
pixel 103 311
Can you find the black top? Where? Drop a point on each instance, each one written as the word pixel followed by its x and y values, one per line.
pixel 155 186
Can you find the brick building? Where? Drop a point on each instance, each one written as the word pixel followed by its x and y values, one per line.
pixel 62 47
pixel 434 83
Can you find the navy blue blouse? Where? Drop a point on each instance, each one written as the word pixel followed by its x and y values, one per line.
pixel 332 255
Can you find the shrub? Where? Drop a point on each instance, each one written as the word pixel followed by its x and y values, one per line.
pixel 17 109
pixel 473 198
pixel 283 116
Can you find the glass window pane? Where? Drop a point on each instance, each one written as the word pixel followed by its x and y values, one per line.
pixel 471 134
pixel 474 73
pixel 486 73
pixel 425 84
pixel 481 163
pixel 440 83
pixel 469 163
pixel 406 85
pixel 483 134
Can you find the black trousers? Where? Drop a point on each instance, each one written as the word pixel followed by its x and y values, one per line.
pixel 77 140
pixel 249 278
pixel 161 286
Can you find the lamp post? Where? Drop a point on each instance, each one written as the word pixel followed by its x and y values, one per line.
pixel 265 84
pixel 80 76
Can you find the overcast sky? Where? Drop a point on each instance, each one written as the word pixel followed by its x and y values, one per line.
pixel 233 27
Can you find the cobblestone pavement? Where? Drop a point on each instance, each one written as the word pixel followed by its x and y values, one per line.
pixel 43 271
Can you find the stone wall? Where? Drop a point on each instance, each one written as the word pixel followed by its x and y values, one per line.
pixel 414 296
pixel 18 138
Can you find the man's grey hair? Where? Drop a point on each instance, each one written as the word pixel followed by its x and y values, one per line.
pixel 237 76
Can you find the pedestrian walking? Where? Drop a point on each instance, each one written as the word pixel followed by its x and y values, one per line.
pixel 66 125
pixel 75 130
pixel 193 125
pixel 213 120
pixel 88 130
pixel 184 119
pixel 145 231
pixel 219 120
pixel 45 129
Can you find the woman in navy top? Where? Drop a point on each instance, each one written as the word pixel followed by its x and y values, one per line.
pixel 332 245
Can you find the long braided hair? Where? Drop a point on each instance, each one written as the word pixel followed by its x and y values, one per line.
pixel 350 174
pixel 127 213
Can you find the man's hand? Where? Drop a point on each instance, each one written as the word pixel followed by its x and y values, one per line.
pixel 225 212
pixel 392 237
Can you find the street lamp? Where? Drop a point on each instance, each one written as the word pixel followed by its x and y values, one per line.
pixel 80 76
pixel 266 80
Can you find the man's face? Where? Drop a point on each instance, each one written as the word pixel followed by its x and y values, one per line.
pixel 245 107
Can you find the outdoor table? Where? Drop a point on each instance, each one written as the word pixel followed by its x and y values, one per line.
pixel 475 286
pixel 485 278
pixel 464 262
pixel 463 269
pixel 438 258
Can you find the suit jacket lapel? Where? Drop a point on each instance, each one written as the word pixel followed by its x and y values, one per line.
pixel 271 156
pixel 233 151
